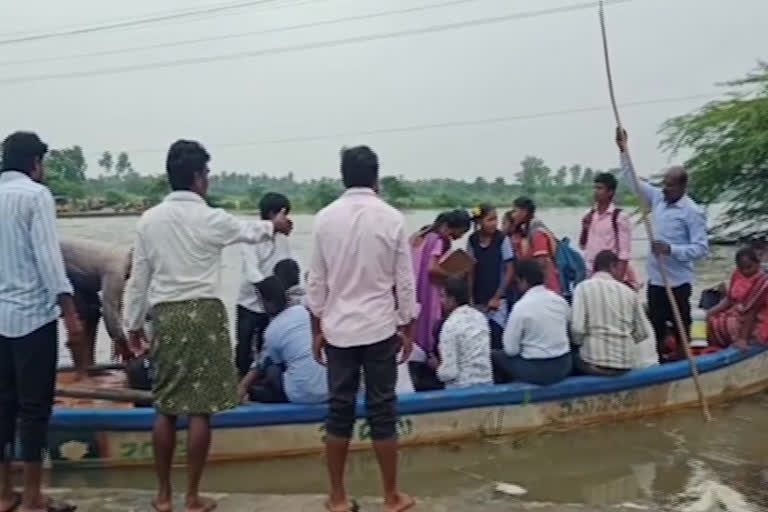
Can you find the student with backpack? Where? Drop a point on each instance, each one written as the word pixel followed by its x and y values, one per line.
pixel 607 227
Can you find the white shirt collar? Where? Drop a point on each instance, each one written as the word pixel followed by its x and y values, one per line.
pixel 184 195
pixel 603 275
pixel 10 175
pixel 359 191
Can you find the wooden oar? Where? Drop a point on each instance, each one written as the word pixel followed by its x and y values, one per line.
pixel 645 209
pixel 115 395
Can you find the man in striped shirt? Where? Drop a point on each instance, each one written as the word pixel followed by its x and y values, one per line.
pixel 608 320
pixel 33 291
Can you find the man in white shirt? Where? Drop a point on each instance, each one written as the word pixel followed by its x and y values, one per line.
pixel 176 273
pixel 258 263
pixel 361 253
pixel 608 320
pixel 536 346
pixel 34 290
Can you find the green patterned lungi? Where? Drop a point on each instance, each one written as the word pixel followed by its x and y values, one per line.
pixel 192 357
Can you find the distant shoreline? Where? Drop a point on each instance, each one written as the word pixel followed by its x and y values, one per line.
pixel 96 214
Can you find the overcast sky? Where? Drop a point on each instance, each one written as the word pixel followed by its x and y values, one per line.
pixel 243 110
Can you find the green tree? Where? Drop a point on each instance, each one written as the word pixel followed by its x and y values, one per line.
pixel 728 143
pixel 106 162
pixel 533 175
pixel 588 177
pixel 575 171
pixel 323 195
pixel 394 191
pixel 560 176
pixel 123 165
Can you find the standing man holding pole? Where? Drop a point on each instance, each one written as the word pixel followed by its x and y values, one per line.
pixel 361 253
pixel 681 240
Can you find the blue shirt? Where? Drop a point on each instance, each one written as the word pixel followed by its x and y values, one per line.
pixel 31 264
pixel 288 341
pixel 682 225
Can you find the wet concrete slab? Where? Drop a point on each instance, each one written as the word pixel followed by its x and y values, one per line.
pixel 485 500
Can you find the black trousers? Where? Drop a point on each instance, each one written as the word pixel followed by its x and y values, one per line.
pixel 271 389
pixel 660 312
pixel 379 365
pixel 27 384
pixel 250 326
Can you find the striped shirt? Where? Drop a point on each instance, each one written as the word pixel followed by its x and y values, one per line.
pixel 31 265
pixel 608 320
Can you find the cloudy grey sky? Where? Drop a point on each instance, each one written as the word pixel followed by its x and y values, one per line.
pixel 245 109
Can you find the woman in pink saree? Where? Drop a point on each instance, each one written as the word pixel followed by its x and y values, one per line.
pixel 742 315
pixel 428 246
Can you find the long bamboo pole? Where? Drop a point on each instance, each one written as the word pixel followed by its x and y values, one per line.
pixel 645 209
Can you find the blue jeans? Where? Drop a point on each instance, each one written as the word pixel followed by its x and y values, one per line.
pixel 533 371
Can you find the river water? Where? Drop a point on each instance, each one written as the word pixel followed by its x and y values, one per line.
pixel 670 463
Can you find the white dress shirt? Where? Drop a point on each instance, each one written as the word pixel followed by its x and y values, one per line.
pixel 177 254
pixel 537 327
pixel 361 253
pixel 259 262
pixel 32 272
pixel 608 320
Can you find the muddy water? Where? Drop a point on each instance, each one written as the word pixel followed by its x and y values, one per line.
pixel 675 462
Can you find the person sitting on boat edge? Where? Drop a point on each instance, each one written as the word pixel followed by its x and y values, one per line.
pixel 287 370
pixel 608 320
pixel 465 348
pixel 288 272
pixel 536 345
pixel 493 271
pixel 259 261
pixel 742 315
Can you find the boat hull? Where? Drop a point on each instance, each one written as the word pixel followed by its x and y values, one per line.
pixel 117 437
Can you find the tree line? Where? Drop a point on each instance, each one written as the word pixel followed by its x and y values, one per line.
pixel 727 140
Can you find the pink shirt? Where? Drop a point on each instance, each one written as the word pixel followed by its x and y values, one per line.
pixel 602 236
pixel 361 252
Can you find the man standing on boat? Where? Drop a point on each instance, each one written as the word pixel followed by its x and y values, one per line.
pixel 606 227
pixel 94 267
pixel 176 273
pixel 681 240
pixel 361 252
pixel 34 290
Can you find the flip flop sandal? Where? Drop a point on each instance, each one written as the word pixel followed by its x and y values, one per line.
pixel 54 506
pixel 16 503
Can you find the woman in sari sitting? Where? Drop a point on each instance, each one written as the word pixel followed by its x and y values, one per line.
pixel 741 315
pixel 428 247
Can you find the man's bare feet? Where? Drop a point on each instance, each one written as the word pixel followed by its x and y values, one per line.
pixel 162 505
pixel 200 504
pixel 400 503
pixel 10 503
pixel 346 506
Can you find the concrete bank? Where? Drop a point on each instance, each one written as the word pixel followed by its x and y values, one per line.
pixel 485 500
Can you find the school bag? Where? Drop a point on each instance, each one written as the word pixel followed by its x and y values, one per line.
pixel 570 265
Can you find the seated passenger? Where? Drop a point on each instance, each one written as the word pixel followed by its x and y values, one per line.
pixel 465 340
pixel 287 271
pixel 741 315
pixel 287 371
pixel 536 345
pixel 608 320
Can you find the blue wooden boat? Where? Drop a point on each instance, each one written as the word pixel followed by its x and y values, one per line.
pixel 120 437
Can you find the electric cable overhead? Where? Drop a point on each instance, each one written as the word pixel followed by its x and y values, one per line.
pixel 134 22
pixel 307 46
pixel 448 124
pixel 224 37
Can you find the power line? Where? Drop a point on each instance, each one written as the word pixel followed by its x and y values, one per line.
pixel 224 37
pixel 134 22
pixel 450 124
pixel 307 46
